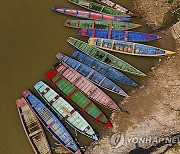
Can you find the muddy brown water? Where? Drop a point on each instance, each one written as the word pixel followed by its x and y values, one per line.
pixel 30 36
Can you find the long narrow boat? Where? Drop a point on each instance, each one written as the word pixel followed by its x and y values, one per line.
pixel 74 96
pixel 119 35
pixel 83 84
pixel 103 24
pixel 95 7
pixel 92 75
pixel 104 69
pixel 118 7
pixel 104 56
pixel 64 110
pixel 90 15
pixel 32 128
pixel 129 48
pixel 53 125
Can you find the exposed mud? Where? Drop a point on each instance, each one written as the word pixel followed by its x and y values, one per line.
pixel 154 108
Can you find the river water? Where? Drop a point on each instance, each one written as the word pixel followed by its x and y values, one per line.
pixel 30 36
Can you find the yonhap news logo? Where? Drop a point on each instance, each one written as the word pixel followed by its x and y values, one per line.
pixel 119 139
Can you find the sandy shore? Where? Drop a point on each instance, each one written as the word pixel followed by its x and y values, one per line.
pixel 154 108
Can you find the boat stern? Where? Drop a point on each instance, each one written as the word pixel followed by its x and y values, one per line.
pixel 167 52
pixel 59 56
pixel 38 85
pixel 92 41
pixel 54 8
pixel 67 23
pixel 26 93
pixel 60 10
pixel 95 137
pixel 108 124
pixel 21 102
pixel 78 152
pixel 137 25
pixel 50 74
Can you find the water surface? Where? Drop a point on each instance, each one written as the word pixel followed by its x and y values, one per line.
pixel 30 36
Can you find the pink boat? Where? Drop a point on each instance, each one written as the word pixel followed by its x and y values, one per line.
pixel 88 88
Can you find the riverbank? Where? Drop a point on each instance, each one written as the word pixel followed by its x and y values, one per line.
pixel 154 108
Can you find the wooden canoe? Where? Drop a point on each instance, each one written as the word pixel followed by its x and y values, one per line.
pixel 118 7
pixel 90 15
pixel 103 24
pixel 52 124
pixel 83 84
pixel 95 7
pixel 64 110
pixel 104 69
pixel 119 35
pixel 32 128
pixel 104 56
pixel 92 75
pixel 129 48
pixel 74 96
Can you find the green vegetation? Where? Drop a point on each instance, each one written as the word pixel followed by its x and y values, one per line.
pixel 170 1
pixel 176 147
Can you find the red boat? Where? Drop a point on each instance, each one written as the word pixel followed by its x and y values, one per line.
pixel 78 99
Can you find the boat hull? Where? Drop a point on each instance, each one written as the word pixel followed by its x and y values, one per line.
pixel 74 96
pixel 64 110
pixel 128 48
pixel 104 57
pixel 53 125
pixel 95 7
pixel 118 7
pixel 87 87
pixel 32 128
pixel 119 35
pixel 103 24
pixel 104 69
pixel 92 75
pixel 90 15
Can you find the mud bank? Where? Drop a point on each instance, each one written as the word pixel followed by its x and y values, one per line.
pixel 154 108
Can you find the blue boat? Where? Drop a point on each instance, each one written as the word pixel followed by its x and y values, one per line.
pixel 104 69
pixel 118 35
pixel 129 48
pixel 90 15
pixel 53 125
pixel 92 75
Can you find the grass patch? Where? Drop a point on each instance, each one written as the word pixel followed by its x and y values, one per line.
pixel 176 147
pixel 170 1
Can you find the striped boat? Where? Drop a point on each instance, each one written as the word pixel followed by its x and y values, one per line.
pixel 104 69
pixel 53 125
pixel 32 128
pixel 95 7
pixel 74 96
pixel 129 48
pixel 104 56
pixel 92 75
pixel 64 110
pixel 118 35
pixel 89 15
pixel 118 7
pixel 83 84
pixel 103 24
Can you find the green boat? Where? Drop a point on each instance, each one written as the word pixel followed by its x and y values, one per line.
pixel 74 96
pixel 64 110
pixel 104 56
pixel 98 7
pixel 102 24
